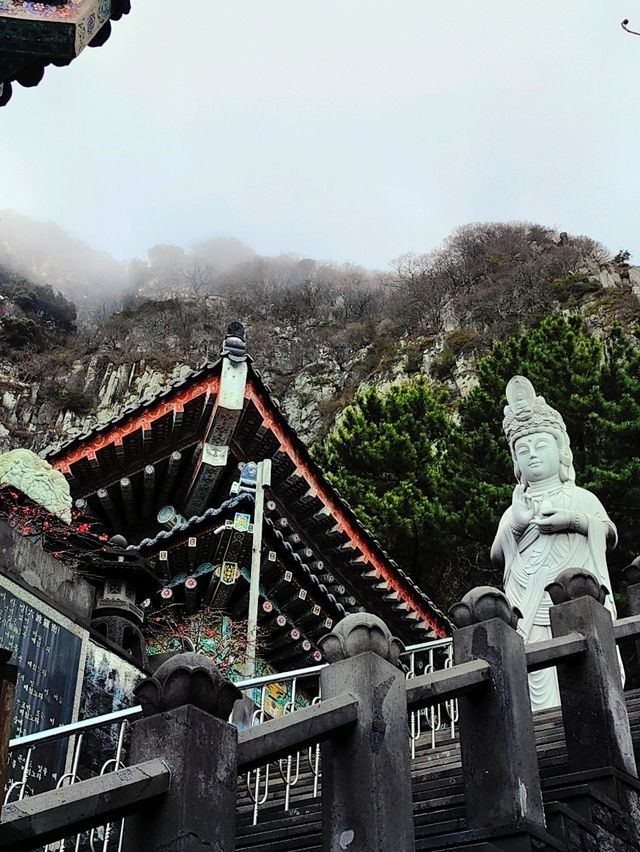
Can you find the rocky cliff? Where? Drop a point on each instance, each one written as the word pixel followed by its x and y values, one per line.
pixel 317 340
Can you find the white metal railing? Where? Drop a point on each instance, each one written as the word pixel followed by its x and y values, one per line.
pixel 301 687
pixel 98 839
pixel 431 718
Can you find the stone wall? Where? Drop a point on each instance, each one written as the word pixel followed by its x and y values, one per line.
pixel 23 559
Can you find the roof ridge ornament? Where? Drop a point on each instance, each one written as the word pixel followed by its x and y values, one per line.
pixel 234 345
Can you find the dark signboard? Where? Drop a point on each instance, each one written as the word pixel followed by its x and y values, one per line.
pixel 49 651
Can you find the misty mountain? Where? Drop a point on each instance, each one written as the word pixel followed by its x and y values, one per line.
pixel 318 331
pixel 45 253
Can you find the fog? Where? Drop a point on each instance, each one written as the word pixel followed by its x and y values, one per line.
pixel 337 129
pixel 45 253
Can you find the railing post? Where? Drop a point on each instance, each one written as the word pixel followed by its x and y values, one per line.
pixel 631 576
pixel 499 759
pixel 366 773
pixel 186 705
pixel 596 723
pixel 8 677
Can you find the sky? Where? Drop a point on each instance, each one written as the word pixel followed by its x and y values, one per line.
pixel 344 130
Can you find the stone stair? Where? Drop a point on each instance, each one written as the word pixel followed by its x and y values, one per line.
pixel 438 796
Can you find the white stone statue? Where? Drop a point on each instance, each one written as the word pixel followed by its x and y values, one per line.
pixel 36 478
pixel 551 523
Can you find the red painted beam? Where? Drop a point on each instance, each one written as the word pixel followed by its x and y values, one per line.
pixel 336 509
pixel 143 421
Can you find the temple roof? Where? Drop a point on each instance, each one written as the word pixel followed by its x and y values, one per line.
pixel 153 453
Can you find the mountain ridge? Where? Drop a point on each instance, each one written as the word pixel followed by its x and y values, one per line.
pixel 318 332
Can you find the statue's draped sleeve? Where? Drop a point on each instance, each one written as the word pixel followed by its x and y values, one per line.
pixel 504 542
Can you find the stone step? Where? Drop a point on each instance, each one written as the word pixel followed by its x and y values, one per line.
pixel 432 822
pixel 438 792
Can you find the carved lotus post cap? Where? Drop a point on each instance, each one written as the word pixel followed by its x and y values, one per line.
pixel 574 583
pixel 187 679
pixel 631 573
pixel 482 604
pixel 357 633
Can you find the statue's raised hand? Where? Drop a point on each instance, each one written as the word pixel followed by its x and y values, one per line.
pixel 521 508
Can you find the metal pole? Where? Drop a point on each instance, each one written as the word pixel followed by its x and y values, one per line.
pixel 263 479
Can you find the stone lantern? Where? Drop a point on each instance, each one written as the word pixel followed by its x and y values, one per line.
pixel 123 578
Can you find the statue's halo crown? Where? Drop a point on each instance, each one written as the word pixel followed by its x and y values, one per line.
pixel 527 413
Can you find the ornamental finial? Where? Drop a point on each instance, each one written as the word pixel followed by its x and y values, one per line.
pixel 187 679
pixel 573 583
pixel 631 573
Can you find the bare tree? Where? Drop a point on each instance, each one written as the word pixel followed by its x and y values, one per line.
pixel 202 278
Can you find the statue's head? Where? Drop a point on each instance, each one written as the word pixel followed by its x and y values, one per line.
pixel 537 436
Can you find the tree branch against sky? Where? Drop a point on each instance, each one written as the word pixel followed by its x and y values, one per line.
pixel 625 27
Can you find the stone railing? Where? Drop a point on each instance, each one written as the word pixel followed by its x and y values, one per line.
pixel 185 757
pixel 99 745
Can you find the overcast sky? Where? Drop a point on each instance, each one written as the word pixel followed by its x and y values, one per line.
pixel 353 130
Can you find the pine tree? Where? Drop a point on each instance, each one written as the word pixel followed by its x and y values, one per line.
pixel 389 456
pixel 432 484
pixel 596 387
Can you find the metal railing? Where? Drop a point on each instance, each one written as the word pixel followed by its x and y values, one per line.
pixel 98 839
pixel 431 720
pixel 280 779
pixel 422 658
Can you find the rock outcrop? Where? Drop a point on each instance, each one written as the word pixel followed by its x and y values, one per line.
pixel 314 368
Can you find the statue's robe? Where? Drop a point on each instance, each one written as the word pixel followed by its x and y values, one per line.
pixel 535 559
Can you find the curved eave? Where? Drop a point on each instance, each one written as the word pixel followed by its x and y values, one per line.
pixel 362 540
pixel 54 34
